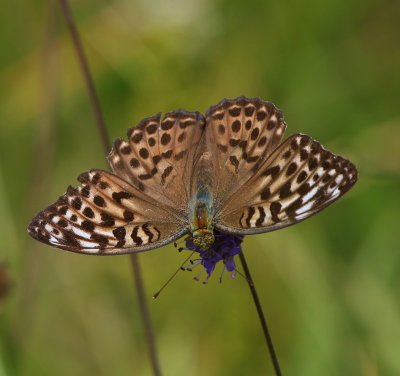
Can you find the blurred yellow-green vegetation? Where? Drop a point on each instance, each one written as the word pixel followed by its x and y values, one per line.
pixel 329 286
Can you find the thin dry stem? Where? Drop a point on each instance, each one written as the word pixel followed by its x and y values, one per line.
pixel 102 130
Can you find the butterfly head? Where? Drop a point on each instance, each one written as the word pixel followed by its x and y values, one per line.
pixel 203 238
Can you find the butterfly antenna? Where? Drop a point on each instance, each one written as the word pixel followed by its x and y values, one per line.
pixel 172 276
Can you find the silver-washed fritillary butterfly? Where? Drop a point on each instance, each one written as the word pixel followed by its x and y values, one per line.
pixel 215 178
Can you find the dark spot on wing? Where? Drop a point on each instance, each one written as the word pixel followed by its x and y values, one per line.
pixel 144 153
pixel 128 216
pixel 137 137
pixel 118 196
pixel 88 212
pixel 99 201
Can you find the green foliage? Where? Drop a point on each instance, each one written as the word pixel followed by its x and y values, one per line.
pixel 329 285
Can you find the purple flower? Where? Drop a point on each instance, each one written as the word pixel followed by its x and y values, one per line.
pixel 224 249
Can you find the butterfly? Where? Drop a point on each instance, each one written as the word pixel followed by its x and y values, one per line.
pixel 202 176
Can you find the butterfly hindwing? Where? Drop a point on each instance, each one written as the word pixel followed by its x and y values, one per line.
pixel 105 215
pixel 299 179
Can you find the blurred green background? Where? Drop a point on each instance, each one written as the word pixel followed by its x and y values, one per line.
pixel 330 285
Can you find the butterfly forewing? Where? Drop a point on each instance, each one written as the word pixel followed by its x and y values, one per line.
pixel 159 155
pixel 299 179
pixel 106 215
pixel 240 134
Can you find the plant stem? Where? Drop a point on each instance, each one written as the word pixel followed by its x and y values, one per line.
pixel 84 65
pixel 144 310
pixel 261 315
pixel 102 130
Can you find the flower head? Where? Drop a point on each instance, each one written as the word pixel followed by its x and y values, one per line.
pixel 224 249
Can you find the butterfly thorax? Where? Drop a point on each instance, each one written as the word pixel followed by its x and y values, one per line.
pixel 201 225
